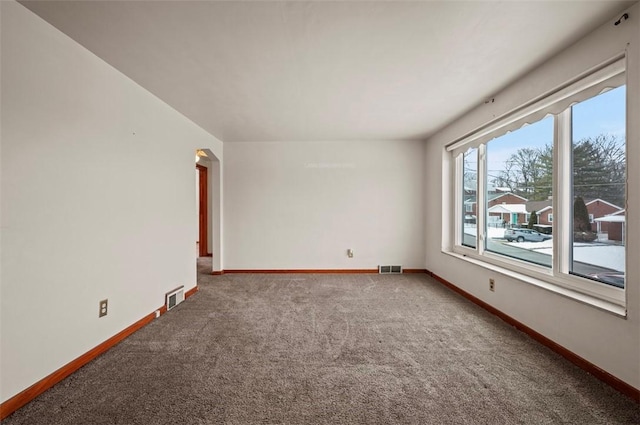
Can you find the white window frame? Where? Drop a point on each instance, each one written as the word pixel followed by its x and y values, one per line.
pixel 558 276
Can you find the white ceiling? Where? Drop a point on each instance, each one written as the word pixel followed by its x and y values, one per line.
pixel 298 71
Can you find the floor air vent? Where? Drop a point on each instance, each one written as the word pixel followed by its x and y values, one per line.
pixel 174 297
pixel 389 269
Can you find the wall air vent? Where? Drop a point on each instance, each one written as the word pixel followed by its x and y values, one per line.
pixel 389 269
pixel 173 298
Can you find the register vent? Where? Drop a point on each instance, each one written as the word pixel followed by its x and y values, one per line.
pixel 389 269
pixel 174 297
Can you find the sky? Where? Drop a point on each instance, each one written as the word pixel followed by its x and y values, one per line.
pixel 604 113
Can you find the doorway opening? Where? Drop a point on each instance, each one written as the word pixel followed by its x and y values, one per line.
pixel 209 212
pixel 202 196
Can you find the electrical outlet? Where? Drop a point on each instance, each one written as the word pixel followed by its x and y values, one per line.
pixel 492 285
pixel 103 308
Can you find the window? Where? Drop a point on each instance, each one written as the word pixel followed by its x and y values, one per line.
pixel 559 152
pixel 469 197
pixel 520 164
pixel 599 172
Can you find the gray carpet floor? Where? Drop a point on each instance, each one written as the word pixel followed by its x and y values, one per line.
pixel 328 349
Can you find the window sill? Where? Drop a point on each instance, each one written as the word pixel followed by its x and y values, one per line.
pixel 590 300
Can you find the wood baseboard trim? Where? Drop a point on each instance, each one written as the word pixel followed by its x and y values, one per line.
pixel 587 366
pixel 302 271
pixel 217 272
pixel 191 292
pixel 313 271
pixel 24 397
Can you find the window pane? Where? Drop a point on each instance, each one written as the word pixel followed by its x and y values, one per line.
pixel 599 171
pixel 469 197
pixel 519 182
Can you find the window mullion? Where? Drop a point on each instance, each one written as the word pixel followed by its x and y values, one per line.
pixel 481 206
pixel 563 198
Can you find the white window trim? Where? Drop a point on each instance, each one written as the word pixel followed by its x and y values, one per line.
pixel 556 278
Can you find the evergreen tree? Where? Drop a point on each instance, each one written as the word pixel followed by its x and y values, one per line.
pixel 580 216
pixel 599 170
pixel 533 219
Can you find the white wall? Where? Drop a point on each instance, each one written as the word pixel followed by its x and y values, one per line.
pixel 302 205
pixel 97 200
pixel 610 342
pixel 215 210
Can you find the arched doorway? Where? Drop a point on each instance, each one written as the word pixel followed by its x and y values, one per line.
pixel 209 208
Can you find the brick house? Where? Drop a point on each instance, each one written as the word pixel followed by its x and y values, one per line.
pixel 615 223
pixel 511 215
pixel 597 208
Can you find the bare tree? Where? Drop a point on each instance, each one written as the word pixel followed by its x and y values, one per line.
pixel 525 170
pixel 599 170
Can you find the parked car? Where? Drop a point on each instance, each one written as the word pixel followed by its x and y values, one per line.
pixel 521 235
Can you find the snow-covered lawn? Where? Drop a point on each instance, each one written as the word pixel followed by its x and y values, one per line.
pixel 609 256
pixel 597 254
pixel 494 233
pixel 538 246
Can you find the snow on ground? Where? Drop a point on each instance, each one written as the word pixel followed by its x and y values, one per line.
pixel 538 246
pixel 494 233
pixel 598 254
pixel 609 256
